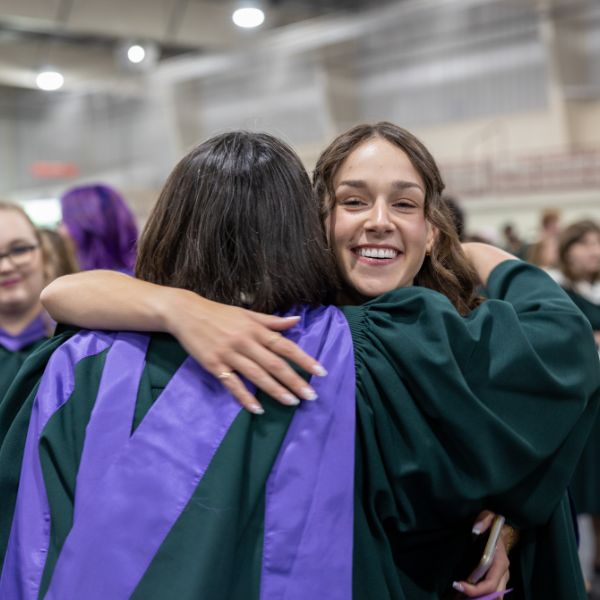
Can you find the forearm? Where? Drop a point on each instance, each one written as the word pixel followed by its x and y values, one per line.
pixel 226 340
pixel 485 258
pixel 111 300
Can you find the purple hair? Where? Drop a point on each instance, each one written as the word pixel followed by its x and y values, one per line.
pixel 102 227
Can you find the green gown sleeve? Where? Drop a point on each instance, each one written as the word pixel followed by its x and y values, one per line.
pixel 492 409
pixel 460 414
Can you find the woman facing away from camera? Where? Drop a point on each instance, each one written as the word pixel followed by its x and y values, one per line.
pixel 425 418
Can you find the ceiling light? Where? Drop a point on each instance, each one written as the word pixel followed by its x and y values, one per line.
pixel 49 80
pixel 248 17
pixel 136 53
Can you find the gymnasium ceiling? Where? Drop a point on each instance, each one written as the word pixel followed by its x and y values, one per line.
pixel 85 38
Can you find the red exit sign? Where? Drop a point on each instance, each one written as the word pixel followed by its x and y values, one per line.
pixel 54 170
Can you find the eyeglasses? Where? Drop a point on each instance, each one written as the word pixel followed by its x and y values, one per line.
pixel 20 256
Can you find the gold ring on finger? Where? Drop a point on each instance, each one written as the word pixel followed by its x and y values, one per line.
pixel 272 339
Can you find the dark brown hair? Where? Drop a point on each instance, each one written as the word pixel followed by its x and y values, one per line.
pixel 574 234
pixel 446 269
pixel 237 223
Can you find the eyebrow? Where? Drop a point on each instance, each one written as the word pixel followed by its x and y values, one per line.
pixel 21 241
pixel 399 185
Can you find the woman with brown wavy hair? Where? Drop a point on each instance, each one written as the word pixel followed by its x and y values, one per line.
pixel 450 396
pixel 445 267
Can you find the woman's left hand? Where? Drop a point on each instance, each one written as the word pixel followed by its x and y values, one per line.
pixel 496 579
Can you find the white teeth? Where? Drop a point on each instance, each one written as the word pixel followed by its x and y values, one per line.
pixel 377 252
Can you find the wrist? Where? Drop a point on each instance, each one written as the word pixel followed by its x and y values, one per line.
pixel 174 304
pixel 167 305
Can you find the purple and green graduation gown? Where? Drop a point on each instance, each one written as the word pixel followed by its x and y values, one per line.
pixel 585 485
pixel 141 478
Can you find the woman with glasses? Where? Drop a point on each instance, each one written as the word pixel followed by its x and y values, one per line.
pixel 23 322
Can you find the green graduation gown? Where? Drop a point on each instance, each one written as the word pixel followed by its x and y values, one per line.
pixel 14 349
pixel 453 415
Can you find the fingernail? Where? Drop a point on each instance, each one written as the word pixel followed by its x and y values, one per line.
pixel 257 409
pixel 295 317
pixel 289 399
pixel 319 370
pixel 477 528
pixel 308 393
pixel 458 586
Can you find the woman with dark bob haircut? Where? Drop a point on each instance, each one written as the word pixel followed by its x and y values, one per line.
pixel 425 417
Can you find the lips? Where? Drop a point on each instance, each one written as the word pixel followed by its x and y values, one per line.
pixel 9 282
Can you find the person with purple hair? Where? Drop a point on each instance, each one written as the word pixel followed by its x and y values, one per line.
pixel 102 227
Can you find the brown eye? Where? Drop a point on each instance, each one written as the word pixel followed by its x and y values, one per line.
pixel 352 202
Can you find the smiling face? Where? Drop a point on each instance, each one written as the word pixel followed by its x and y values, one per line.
pixel 377 226
pixel 20 288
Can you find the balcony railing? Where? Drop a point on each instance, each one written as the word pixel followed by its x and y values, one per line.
pixel 544 173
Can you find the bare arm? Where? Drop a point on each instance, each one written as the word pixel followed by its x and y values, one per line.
pixel 225 340
pixel 485 258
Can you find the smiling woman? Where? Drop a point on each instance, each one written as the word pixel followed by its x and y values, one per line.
pixel 22 325
pixel 378 226
pixel 379 187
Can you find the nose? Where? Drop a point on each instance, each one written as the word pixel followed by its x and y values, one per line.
pixel 378 219
pixel 5 265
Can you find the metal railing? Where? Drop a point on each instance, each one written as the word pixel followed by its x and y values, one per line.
pixel 543 173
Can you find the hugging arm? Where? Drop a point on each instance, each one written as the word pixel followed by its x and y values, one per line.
pixel 228 341
pixel 222 338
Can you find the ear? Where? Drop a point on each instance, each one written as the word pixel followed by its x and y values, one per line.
pixel 432 237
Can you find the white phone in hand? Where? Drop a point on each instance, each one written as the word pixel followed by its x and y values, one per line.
pixel 487 558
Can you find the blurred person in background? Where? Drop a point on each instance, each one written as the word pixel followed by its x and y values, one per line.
pixel 578 273
pixel 579 268
pixel 544 252
pixel 59 252
pixel 102 227
pixel 23 322
pixel 512 242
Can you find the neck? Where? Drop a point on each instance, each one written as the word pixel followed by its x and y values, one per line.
pixel 15 322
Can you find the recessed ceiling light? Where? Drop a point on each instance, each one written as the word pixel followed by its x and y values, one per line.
pixel 248 17
pixel 136 53
pixel 49 80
